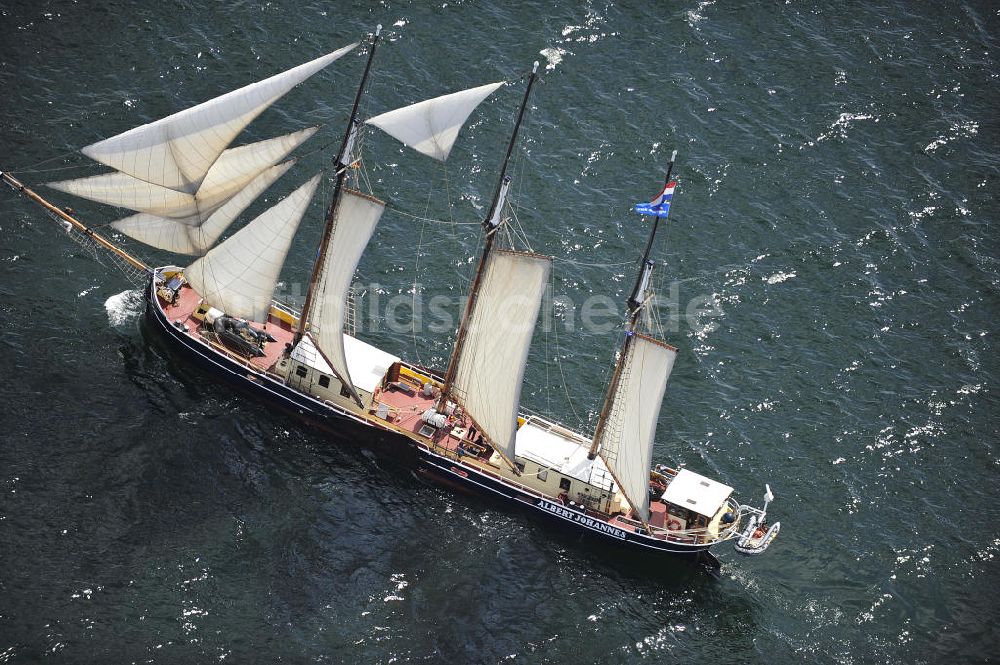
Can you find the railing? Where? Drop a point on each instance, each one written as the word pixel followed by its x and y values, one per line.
pixel 699 535
pixel 454 456
pixel 677 534
pixel 350 314
pixel 201 337
pixel 556 427
pixel 733 530
pixel 423 372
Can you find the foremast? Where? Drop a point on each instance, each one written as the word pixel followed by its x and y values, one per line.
pixel 491 224
pixel 343 164
pixel 636 300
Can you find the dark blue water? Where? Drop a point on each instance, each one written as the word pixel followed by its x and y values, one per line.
pixel 835 227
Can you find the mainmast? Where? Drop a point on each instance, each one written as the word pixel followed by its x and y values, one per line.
pixel 634 303
pixel 342 164
pixel 490 224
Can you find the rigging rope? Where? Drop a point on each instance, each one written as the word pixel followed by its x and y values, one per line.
pixel 416 272
pixel 558 355
pixel 429 219
pixel 592 265
pixel 562 375
pixel 32 168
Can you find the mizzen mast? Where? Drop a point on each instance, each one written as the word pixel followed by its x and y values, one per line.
pixel 634 303
pixel 626 428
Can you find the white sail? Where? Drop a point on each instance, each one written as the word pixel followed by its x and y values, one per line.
pixel 237 166
pixel 239 275
pixel 178 151
pixel 185 237
pixel 124 191
pixel 231 173
pixel 627 438
pixel 490 368
pixel 431 126
pixel 355 219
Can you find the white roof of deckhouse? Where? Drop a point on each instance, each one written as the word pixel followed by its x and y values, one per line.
pixel 696 493
pixel 562 454
pixel 366 363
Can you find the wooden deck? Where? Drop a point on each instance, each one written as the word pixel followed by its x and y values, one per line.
pixel 187 303
pixel 405 410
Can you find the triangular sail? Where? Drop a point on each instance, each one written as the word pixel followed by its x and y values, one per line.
pixel 237 166
pixel 490 368
pixel 626 440
pixel 354 221
pixel 239 275
pixel 124 191
pixel 183 237
pixel 231 173
pixel 178 151
pixel 431 126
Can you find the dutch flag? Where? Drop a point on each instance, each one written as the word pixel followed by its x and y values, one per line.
pixel 660 205
pixel 665 195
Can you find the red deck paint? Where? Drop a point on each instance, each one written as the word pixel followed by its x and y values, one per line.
pixel 188 301
pixel 406 411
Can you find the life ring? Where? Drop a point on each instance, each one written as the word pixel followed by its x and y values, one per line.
pixel 674 524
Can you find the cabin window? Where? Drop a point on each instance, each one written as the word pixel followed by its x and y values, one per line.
pixel 324 381
pixel 564 484
pixel 543 474
pixel 301 370
pixel 344 391
pixel 520 466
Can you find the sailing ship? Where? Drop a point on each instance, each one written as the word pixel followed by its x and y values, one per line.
pixel 186 185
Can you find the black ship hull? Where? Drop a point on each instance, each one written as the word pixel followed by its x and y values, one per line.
pixel 348 428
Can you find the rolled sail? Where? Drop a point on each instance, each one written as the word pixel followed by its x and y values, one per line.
pixel 431 126
pixel 354 221
pixel 490 369
pixel 182 236
pixel 239 275
pixel 178 151
pixel 626 443
pixel 230 174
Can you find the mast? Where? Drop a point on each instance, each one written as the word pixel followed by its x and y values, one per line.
pixel 344 154
pixel 342 164
pixel 490 224
pixel 634 303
